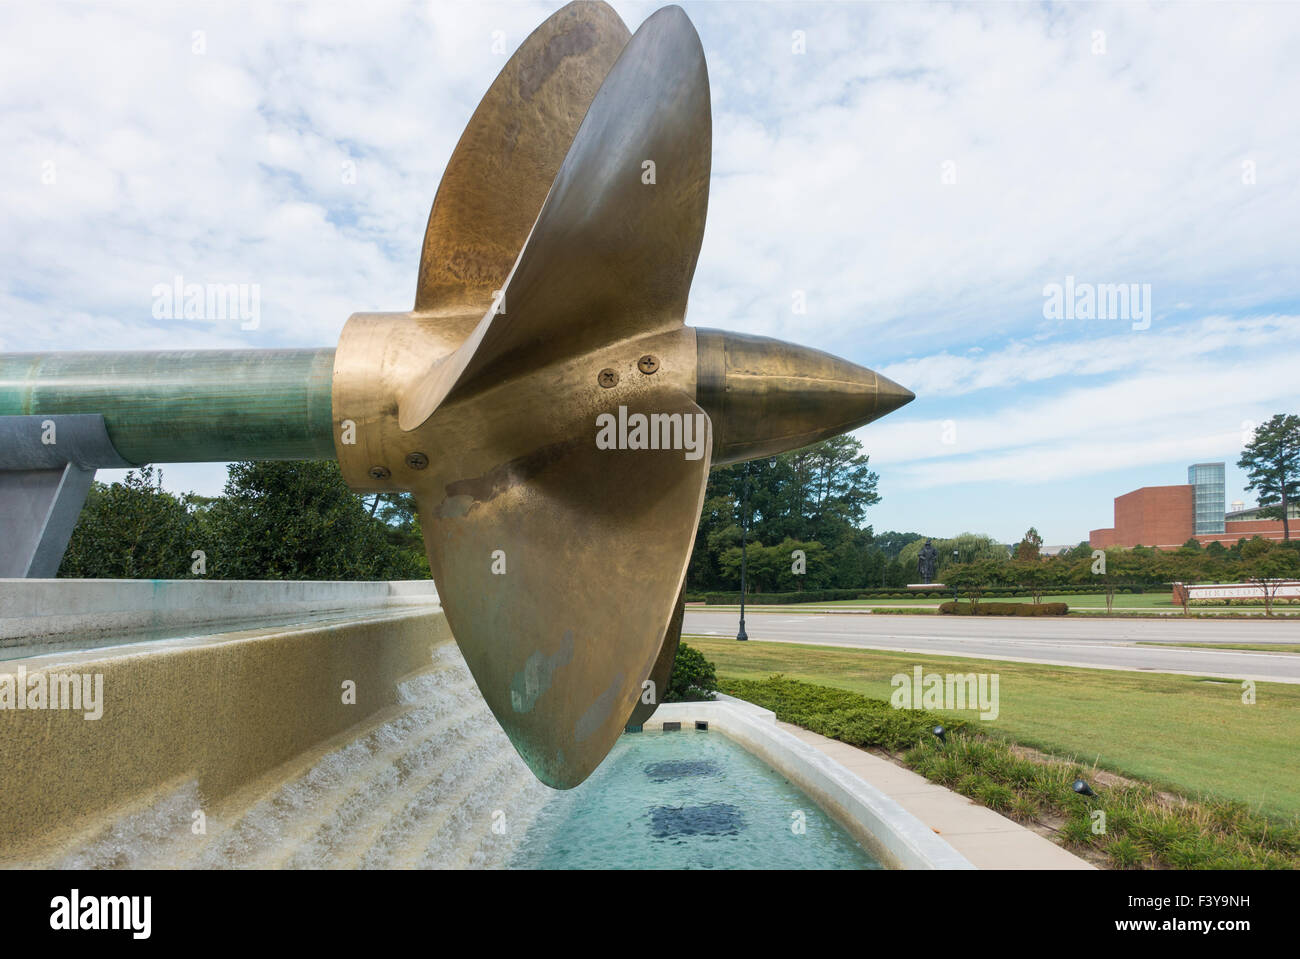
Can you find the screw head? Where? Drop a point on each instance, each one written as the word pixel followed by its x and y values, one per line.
pixel 380 472
pixel 417 461
pixel 607 378
pixel 648 364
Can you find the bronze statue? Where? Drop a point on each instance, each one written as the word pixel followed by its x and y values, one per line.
pixel 926 562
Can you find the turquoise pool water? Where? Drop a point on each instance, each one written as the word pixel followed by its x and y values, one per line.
pixel 686 800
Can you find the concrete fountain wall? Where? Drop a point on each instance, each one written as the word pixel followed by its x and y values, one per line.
pixel 219 709
pixel 231 699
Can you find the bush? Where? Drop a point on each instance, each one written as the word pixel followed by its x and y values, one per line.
pixel 133 530
pixel 693 677
pixel 840 714
pixel 1257 601
pixel 297 519
pixel 986 608
pixel 833 595
pixel 804 596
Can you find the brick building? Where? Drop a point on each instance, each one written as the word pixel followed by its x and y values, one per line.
pixel 1168 516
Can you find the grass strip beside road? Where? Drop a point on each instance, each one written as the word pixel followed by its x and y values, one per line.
pixel 1080 605
pixel 1087 600
pixel 1253 647
pixel 1190 735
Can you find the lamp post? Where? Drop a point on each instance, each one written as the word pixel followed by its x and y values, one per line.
pixel 742 636
pixel 954 585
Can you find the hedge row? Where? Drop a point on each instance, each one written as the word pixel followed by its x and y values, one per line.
pixel 1246 601
pixel 832 595
pixel 806 596
pixel 1066 590
pixel 840 714
pixel 1005 609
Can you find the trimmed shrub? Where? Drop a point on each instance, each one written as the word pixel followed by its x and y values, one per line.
pixel 693 677
pixel 986 608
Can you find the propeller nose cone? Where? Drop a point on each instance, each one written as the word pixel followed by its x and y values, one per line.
pixel 766 396
pixel 889 395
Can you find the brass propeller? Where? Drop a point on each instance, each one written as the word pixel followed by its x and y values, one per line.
pixel 527 520
pixel 555 418
pixel 559 659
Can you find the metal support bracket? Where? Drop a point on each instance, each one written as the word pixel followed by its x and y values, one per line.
pixel 47 464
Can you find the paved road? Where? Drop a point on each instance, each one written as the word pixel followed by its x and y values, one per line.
pixel 1099 643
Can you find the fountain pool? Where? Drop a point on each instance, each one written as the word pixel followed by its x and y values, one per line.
pixel 686 800
pixel 432 782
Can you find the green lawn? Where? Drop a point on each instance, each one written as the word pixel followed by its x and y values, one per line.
pixel 1254 647
pixel 1191 735
pixel 1083 600
pixel 1122 601
pixel 1076 601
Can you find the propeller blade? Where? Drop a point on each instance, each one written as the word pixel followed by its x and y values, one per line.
pixel 528 547
pixel 662 671
pixel 614 249
pixel 503 166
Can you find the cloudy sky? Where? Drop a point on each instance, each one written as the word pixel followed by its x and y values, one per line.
pixel 918 175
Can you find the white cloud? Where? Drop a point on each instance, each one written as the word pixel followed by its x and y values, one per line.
pixel 226 166
pixel 1219 338
pixel 1186 406
pixel 1123 167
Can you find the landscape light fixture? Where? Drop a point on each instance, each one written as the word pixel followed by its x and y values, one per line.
pixel 741 635
pixel 1082 788
pixel 940 733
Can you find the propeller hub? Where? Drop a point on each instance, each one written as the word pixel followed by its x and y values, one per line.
pixel 767 396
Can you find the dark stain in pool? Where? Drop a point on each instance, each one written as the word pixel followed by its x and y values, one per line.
pixel 669 769
pixel 713 819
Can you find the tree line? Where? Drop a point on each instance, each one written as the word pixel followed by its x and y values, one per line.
pixel 299 520
pixel 1253 561
pixel 274 520
pixel 801 516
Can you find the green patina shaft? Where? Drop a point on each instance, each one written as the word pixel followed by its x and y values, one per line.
pixel 191 406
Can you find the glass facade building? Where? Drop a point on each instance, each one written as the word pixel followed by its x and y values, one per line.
pixel 1210 493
